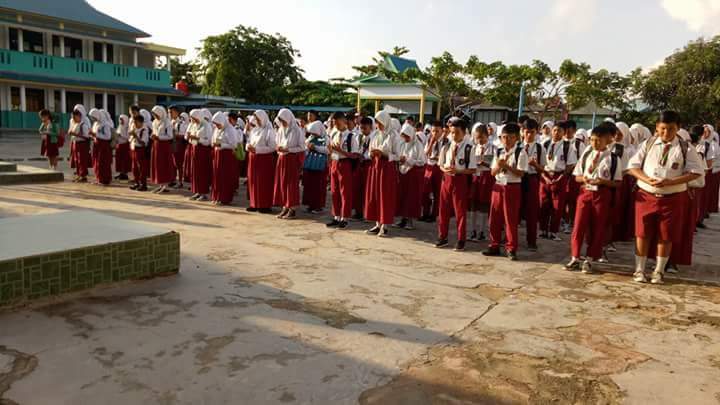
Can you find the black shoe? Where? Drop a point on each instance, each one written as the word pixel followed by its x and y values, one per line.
pixel 441 243
pixel 357 217
pixel 117 177
pixel 401 224
pixel 701 226
pixel 142 188
pixel 265 210
pixel 533 248
pixel 251 209
pixel 481 237
pixel 333 224
pixel 342 224
pixel 491 252
pixel 460 246
pixel 134 187
pixel 373 231
pixel 430 219
pixel 512 255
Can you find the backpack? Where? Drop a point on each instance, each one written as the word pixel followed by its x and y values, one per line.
pixel 577 148
pixel 651 141
pixel 565 148
pixel 499 152
pixel 613 163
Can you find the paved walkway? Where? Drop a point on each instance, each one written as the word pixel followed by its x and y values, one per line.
pixel 267 311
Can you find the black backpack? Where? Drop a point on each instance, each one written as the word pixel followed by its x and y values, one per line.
pixel 613 163
pixel 565 150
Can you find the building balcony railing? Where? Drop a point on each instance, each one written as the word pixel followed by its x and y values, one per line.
pixel 81 69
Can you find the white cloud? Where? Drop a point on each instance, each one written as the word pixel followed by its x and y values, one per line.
pixel 698 15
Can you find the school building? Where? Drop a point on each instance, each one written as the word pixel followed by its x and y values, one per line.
pixel 55 54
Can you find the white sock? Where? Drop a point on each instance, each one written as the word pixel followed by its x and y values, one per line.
pixel 640 262
pixel 336 218
pixel 377 225
pixel 342 219
pixel 483 221
pixel 661 263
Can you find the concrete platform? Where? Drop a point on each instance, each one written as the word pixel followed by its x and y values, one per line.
pixel 50 254
pixel 22 174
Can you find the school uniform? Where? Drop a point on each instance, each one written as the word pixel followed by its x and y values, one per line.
pixel 138 140
pixel 657 208
pixel 49 145
pixel 558 157
pixel 123 161
pixel 530 208
pixel 80 142
pixel 179 127
pixel 224 173
pixel 713 198
pixel 341 172
pixel 482 179
pixel 162 166
pixel 315 168
pixel 621 224
pixel 593 203
pixel 506 196
pixel 455 188
pixel 432 179
pixel 410 185
pixel 573 187
pixel 261 162
pixel 361 189
pixel 289 164
pixel 201 166
pixel 701 193
pixel 381 191
pixel 102 164
pixel 189 150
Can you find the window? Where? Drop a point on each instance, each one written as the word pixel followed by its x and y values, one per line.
pixel 98 51
pixel 98 100
pixel 111 106
pixel 34 99
pixel 109 53
pixel 14 44
pixel 33 42
pixel 15 98
pixel 73 48
pixel 72 99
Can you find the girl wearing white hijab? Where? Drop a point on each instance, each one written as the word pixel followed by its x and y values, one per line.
pixel 546 132
pixel 315 168
pixel 291 150
pixel 79 131
pixel 187 158
pixel 123 163
pixel 623 215
pixel 162 167
pixel 381 196
pixel 412 169
pixel 179 144
pixel 101 133
pixel 225 166
pixel 261 170
pixel 199 135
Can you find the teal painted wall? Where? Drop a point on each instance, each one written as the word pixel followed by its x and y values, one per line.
pixel 29 120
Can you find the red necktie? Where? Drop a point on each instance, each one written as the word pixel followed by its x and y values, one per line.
pixel 665 154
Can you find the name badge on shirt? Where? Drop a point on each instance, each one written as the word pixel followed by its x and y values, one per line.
pixel 502 180
pixel 591 187
pixel 660 173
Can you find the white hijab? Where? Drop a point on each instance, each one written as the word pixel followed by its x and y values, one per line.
pixel 289 118
pixel 227 133
pixel 147 117
pixel 263 126
pixel 316 128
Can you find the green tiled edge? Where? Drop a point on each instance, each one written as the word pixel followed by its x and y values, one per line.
pixel 79 269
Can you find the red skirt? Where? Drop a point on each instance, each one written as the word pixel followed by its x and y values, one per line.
pixel 48 148
pixel 714 193
pixel 139 165
pixel 409 203
pixel 261 173
pixel 481 189
pixel 179 158
pixel 381 192
pixel 287 180
pixel 224 175
pixel 622 202
pixel 103 161
pixel 72 155
pixel 188 162
pixel 162 168
pixel 81 152
pixel 201 169
pixel 314 189
pixel 123 162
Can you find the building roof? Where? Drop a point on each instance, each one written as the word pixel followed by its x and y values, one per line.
pixel 489 107
pixel 78 11
pixel 397 64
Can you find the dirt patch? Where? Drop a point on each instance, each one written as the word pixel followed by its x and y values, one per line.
pixel 276 280
pixel 22 365
pixel 706 319
pixel 334 312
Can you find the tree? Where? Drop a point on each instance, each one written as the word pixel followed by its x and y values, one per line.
pixel 378 65
pixel 317 93
pixel 500 84
pixel 249 64
pixel 688 82
pixel 445 77
pixel 190 72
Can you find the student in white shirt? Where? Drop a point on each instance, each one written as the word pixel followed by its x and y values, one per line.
pixel 560 158
pixel 411 167
pixel 139 138
pixel 123 162
pixel 261 169
pixel 663 169
pixel 224 141
pixel 101 133
pixel 200 138
pixel 162 167
pixel 530 208
pixel 291 150
pixel 482 182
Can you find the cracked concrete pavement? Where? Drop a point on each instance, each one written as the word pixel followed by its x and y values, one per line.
pixel 270 311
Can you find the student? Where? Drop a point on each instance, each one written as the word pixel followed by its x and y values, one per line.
pixel 458 163
pixel 49 134
pixel 261 170
pixel 577 139
pixel 381 195
pixel 433 175
pixel 482 182
pixel 315 168
pixel 598 171
pixel 200 137
pixel 546 132
pixel 237 122
pixel 290 149
pixel 343 148
pixel 663 168
pixel 224 174
pixel 420 134
pixel 712 179
pixel 162 168
pixel 101 133
pixel 559 159
pixel 179 145
pixel 79 131
pixel 509 166
pixel 139 137
pixel 530 189
pixel 697 187
pixel 412 164
pixel 365 134
pixel 624 196
pixel 189 148
pixel 123 160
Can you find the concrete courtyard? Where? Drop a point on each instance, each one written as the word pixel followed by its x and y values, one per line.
pixel 266 311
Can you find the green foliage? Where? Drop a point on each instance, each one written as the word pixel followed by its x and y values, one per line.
pixel 688 82
pixel 249 64
pixel 305 92
pixel 190 72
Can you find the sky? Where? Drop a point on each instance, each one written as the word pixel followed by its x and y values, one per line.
pixel 332 36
